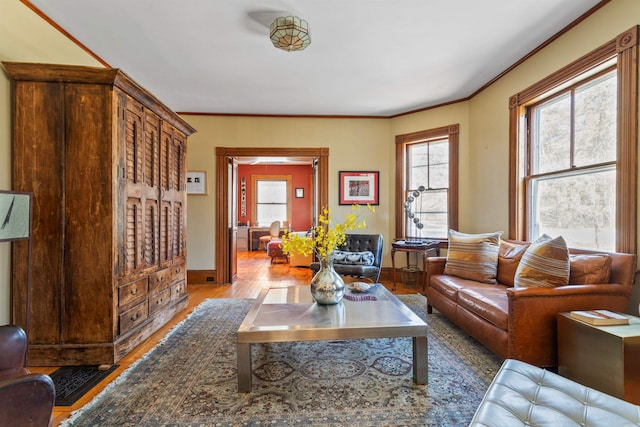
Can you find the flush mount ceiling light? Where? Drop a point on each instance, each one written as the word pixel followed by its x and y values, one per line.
pixel 290 33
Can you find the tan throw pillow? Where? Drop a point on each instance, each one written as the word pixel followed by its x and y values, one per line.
pixel 544 264
pixel 473 256
pixel 589 269
pixel 508 260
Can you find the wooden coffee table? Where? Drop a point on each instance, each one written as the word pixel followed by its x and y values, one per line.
pixel 285 314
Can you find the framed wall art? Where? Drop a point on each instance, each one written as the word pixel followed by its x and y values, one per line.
pixel 197 182
pixel 359 187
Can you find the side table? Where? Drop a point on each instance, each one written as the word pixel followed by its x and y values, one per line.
pixel 601 357
pixel 425 248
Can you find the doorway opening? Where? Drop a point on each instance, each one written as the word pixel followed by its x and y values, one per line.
pixel 226 220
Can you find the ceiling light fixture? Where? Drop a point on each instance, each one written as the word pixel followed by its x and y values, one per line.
pixel 290 33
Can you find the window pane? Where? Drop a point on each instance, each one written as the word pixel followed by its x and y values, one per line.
pixel 272 191
pixel 429 164
pixel 578 207
pixel 271 202
pixel 269 213
pixel 439 176
pixel 418 165
pixel 435 225
pixel 595 121
pixel 552 139
pixel 428 215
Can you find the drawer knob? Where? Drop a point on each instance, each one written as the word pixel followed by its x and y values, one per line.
pixel 134 318
pixel 134 291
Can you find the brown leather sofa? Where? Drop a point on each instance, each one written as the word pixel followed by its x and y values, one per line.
pixel 26 399
pixel 520 323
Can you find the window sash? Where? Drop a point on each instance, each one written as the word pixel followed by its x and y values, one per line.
pixel 271 201
pixel 577 205
pixel 623 53
pixel 567 118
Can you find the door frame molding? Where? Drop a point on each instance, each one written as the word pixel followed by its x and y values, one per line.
pixel 222 191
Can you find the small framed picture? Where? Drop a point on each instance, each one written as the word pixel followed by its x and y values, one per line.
pixel 359 187
pixel 197 182
pixel 299 193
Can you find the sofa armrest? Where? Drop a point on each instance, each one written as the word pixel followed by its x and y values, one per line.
pixel 533 313
pixel 435 265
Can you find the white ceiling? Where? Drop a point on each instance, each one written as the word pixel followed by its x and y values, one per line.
pixel 366 58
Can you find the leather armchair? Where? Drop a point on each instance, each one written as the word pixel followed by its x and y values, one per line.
pixel 525 395
pixel 26 399
pixel 360 243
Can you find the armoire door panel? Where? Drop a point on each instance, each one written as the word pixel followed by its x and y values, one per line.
pixel 87 144
pixel 38 159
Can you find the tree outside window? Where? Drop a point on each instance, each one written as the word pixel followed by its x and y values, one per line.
pixel 427 189
pixel 572 164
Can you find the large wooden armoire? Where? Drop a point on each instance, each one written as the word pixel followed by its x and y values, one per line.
pixel 106 163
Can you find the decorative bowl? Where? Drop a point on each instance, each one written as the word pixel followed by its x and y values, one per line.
pixel 359 287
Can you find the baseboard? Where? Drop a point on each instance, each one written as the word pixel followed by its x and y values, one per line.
pixel 201 277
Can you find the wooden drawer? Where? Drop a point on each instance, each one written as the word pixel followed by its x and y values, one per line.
pixel 159 300
pixel 163 278
pixel 177 290
pixel 133 317
pixel 132 292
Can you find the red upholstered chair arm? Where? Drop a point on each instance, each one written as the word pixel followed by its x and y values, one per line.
pixel 27 400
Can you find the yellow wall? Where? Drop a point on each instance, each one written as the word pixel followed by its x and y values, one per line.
pixel 360 144
pixel 354 144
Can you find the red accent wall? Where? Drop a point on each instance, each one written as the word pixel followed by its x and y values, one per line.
pixel 300 178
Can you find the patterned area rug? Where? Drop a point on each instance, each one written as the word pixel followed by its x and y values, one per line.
pixel 190 379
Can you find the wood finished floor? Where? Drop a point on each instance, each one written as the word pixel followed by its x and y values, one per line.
pixel 255 271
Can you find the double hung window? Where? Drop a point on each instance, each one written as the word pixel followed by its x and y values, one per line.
pixel 427 183
pixel 573 151
pixel 571 174
pixel 272 199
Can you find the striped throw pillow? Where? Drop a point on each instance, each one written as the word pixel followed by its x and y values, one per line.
pixel 473 256
pixel 544 264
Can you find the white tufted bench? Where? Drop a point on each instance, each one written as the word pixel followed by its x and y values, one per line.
pixel 525 395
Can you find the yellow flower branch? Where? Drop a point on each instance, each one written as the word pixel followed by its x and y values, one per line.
pixel 325 237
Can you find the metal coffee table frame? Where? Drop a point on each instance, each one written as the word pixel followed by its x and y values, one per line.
pixel 285 314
